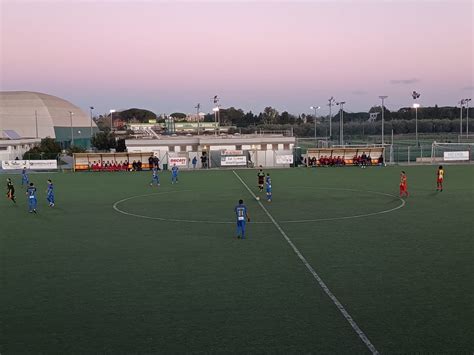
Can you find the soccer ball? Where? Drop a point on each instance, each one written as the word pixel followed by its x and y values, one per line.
pixel 257 198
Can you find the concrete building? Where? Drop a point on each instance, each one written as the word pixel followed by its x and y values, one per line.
pixel 11 149
pixel 38 115
pixel 269 150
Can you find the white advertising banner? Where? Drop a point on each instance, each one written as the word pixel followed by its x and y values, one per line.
pixel 29 164
pixel 179 161
pixel 232 152
pixel 284 159
pixel 234 160
pixel 456 156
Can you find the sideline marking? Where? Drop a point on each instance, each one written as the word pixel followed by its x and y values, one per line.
pixel 117 209
pixel 320 281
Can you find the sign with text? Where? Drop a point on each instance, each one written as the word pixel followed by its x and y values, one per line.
pixel 29 164
pixel 234 160
pixel 284 159
pixel 179 161
pixel 456 156
pixel 232 152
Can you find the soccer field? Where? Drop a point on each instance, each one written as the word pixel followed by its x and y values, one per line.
pixel 121 267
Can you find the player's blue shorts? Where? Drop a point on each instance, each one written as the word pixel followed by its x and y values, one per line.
pixel 50 198
pixel 241 228
pixel 32 202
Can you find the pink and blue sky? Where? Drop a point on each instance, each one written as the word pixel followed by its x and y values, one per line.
pixel 167 56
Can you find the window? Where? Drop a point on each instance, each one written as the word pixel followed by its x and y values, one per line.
pixel 238 147
pixel 171 148
pixel 286 146
pixel 182 148
pixel 275 146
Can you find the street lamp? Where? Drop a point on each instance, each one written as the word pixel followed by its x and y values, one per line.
pixel 341 121
pixel 91 108
pixel 415 106
pixel 332 102
pixel 72 131
pixel 461 104
pixel 467 116
pixel 216 112
pixel 112 120
pixel 315 108
pixel 197 107
pixel 415 96
pixel 215 100
pixel 383 97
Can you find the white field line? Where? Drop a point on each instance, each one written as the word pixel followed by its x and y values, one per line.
pixel 320 281
pixel 116 207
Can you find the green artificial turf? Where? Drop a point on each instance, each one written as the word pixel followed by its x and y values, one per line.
pixel 84 278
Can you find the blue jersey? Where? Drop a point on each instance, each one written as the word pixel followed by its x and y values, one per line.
pixel 31 192
pixel 24 176
pixel 155 173
pixel 241 213
pixel 174 170
pixel 268 183
pixel 50 189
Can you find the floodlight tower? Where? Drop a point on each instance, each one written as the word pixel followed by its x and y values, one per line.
pixel 72 130
pixel 467 116
pixel 315 108
pixel 331 103
pixel 91 108
pixel 112 119
pixel 383 97
pixel 341 122
pixel 198 107
pixel 415 96
pixel 215 100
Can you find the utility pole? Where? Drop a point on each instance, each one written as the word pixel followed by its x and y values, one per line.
pixel 341 122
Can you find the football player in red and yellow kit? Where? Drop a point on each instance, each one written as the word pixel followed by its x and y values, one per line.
pixel 439 178
pixel 403 184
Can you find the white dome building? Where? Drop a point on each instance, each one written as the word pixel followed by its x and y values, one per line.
pixel 28 114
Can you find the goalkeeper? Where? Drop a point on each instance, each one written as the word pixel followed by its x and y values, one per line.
pixel 242 219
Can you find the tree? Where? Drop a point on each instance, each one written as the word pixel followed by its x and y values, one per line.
pixel 178 115
pixel 47 149
pixel 103 141
pixel 136 114
pixel 75 149
pixel 232 116
pixel 121 147
pixel 270 115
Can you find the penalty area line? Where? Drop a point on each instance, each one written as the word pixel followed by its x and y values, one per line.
pixel 320 281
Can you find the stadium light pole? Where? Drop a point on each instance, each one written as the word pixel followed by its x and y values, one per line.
pixel 341 122
pixel 112 119
pixel 415 95
pixel 216 99
pixel 215 110
pixel 72 130
pixel 461 104
pixel 383 97
pixel 91 109
pixel 36 122
pixel 416 106
pixel 332 102
pixel 467 116
pixel 315 108
pixel 198 107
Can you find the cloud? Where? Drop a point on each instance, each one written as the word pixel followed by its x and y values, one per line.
pixel 468 88
pixel 405 81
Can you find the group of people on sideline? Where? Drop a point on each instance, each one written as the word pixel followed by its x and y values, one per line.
pixel 115 166
pixel 357 160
